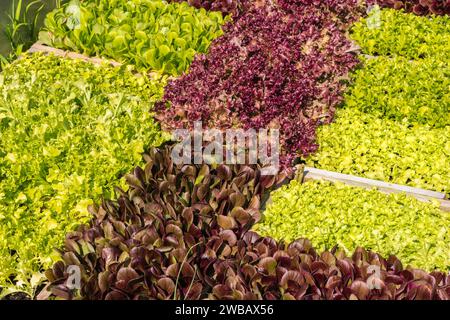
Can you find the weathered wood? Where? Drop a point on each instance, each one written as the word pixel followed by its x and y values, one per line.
pixel 39 47
pixel 359 181
pixel 445 205
pixel 385 187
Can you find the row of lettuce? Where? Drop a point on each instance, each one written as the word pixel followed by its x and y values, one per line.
pixel 149 34
pixel 69 131
pixel 72 130
pixel 334 214
pixel 395 122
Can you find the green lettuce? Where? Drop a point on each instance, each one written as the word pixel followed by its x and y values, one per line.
pixel 69 131
pixel 336 214
pixel 412 92
pixel 365 145
pixel 150 34
pixel 395 33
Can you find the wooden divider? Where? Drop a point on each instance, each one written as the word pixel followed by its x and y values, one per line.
pixel 39 47
pixel 385 187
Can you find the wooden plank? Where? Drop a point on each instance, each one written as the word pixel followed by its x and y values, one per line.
pixel 445 205
pixel 39 47
pixel 359 181
pixel 385 187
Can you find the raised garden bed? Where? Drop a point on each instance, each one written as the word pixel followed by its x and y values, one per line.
pixel 75 128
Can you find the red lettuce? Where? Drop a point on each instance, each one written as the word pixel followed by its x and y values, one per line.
pixel 279 65
pixel 419 7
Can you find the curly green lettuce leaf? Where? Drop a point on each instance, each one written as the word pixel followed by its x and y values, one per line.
pixel 336 214
pixel 364 145
pixel 395 33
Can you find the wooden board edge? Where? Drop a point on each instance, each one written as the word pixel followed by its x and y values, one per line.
pixel 385 187
pixel 39 47
pixel 309 171
pixel 445 205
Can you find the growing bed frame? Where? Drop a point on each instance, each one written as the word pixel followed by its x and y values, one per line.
pixel 385 187
pixel 39 47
